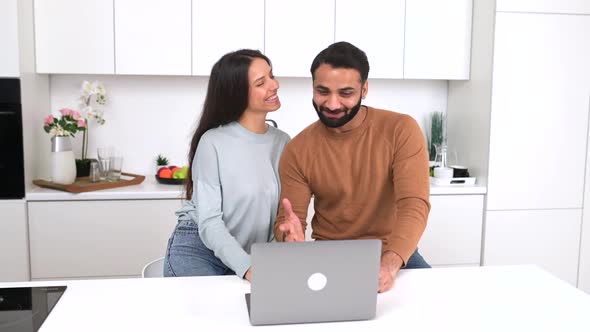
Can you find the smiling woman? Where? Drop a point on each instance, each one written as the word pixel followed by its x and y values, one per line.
pixel 229 208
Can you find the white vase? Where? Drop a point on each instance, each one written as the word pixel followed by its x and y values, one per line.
pixel 63 163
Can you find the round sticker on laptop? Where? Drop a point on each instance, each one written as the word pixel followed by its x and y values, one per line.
pixel 317 282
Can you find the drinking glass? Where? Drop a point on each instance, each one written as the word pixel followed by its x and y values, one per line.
pixel 115 170
pixel 94 171
pixel 104 162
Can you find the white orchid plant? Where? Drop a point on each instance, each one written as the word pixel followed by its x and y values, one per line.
pixel 91 94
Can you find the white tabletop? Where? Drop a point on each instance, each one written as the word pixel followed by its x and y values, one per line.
pixel 518 298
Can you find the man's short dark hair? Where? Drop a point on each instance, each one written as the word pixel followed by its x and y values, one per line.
pixel 343 55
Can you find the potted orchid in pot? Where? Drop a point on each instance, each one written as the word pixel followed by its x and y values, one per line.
pixel 92 95
pixel 61 129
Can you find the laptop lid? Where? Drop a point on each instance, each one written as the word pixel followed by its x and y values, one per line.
pixel 315 281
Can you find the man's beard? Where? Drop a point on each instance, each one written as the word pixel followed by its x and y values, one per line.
pixel 349 114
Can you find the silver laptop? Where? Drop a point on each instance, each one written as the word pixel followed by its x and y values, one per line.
pixel 315 281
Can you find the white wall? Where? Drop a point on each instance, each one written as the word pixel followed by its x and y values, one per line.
pixel 34 97
pixel 147 115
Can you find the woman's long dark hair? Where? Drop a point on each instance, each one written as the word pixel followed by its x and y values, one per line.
pixel 226 100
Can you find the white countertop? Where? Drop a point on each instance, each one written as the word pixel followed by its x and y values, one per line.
pixel 476 189
pixel 510 298
pixel 148 189
pixel 151 189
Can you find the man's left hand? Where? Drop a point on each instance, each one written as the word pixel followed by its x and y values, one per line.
pixel 391 263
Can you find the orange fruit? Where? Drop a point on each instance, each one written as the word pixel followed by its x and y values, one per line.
pixel 165 173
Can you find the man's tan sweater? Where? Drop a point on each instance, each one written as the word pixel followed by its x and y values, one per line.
pixel 369 182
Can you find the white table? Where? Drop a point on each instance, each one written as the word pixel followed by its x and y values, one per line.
pixel 517 298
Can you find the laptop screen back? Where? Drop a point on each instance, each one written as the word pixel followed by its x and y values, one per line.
pixel 318 281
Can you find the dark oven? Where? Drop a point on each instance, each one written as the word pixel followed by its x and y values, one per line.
pixel 12 174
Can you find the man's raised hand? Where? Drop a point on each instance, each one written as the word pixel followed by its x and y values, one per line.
pixel 291 226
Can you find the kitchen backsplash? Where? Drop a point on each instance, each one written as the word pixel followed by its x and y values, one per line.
pixel 148 115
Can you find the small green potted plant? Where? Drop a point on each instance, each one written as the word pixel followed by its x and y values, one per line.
pixel 161 161
pixel 436 137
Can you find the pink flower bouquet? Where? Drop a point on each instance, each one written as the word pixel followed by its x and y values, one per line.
pixel 67 124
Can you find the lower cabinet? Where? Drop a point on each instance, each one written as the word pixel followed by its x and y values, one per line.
pixel 547 238
pixel 86 239
pixel 584 274
pixel 454 230
pixel 453 233
pixel 14 256
pixel 116 238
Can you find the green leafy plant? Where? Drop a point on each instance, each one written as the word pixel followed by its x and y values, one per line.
pixel 161 160
pixel 437 133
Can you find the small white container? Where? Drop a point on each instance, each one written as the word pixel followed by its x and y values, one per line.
pixel 63 163
pixel 443 172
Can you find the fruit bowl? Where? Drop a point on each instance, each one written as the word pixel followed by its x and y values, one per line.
pixel 172 174
pixel 169 180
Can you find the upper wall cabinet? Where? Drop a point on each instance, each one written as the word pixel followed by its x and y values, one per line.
pixel 295 32
pixel 544 6
pixel 415 39
pixel 386 53
pixel 153 37
pixel 242 26
pixel 8 39
pixel 74 36
pixel 438 39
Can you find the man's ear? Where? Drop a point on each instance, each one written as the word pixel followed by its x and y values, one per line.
pixel 365 90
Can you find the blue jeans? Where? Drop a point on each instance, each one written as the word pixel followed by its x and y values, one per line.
pixel 416 261
pixel 187 255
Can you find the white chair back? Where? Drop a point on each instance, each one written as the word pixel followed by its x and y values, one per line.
pixel 153 269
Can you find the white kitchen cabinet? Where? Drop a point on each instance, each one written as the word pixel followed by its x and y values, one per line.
pixel 14 256
pixel 454 230
pixel 9 64
pixel 544 6
pixel 437 39
pixel 71 239
pixel 381 36
pixel 584 262
pixel 547 238
pixel 240 26
pixel 584 265
pixel 74 36
pixel 295 32
pixel 453 233
pixel 539 111
pixel 153 37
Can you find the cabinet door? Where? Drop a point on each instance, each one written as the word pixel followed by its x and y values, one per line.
pixel 9 39
pixel 547 238
pixel 153 37
pixel 453 232
pixel 438 39
pixel 544 6
pixel 74 36
pixel 584 263
pixel 72 239
pixel 295 32
pixel 539 117
pixel 14 256
pixel 381 36
pixel 242 26
pixel 584 274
